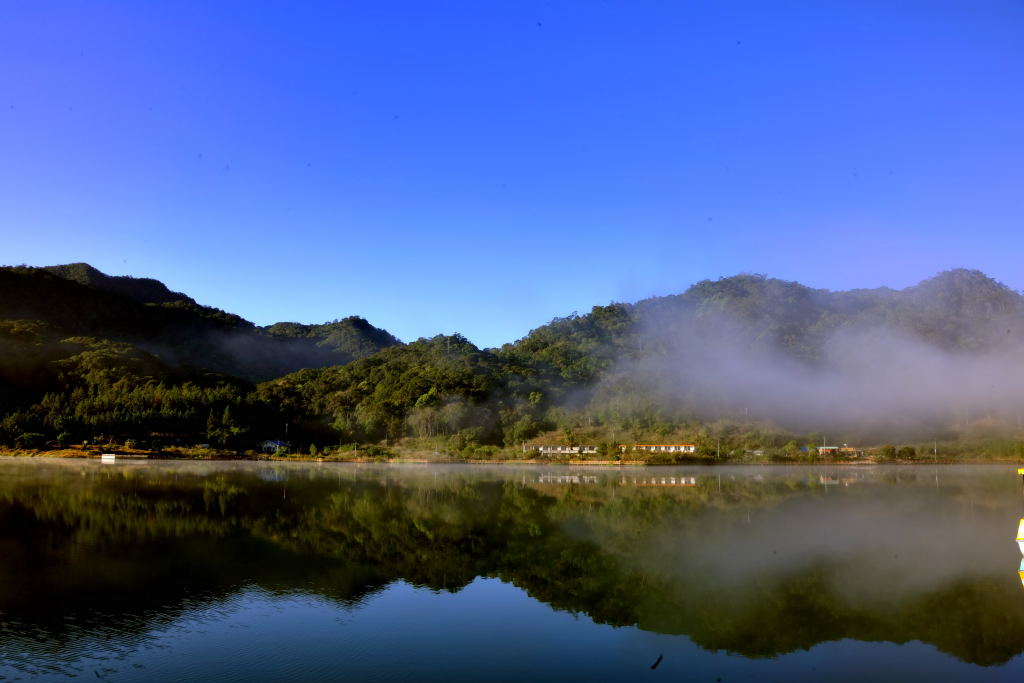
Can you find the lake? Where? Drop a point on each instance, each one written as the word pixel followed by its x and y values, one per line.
pixel 188 571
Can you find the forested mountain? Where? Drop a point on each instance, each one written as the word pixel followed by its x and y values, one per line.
pixel 78 301
pixel 959 310
pixel 143 290
pixel 80 351
pixel 352 337
pixel 85 354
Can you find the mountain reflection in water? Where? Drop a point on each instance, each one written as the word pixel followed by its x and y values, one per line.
pixel 753 562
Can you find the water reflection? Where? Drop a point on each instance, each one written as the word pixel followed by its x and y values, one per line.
pixel 757 562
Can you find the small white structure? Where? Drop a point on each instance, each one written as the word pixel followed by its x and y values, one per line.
pixel 108 457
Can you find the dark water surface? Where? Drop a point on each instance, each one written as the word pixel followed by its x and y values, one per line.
pixel 173 571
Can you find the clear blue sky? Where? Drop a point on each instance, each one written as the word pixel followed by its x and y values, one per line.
pixel 484 166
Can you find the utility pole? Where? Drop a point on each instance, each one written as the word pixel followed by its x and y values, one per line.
pixel 719 448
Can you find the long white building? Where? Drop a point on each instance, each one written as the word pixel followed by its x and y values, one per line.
pixel 566 450
pixel 661 447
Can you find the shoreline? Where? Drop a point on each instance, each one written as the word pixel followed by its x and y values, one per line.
pixel 124 455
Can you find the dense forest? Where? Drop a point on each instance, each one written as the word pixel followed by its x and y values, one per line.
pixel 740 363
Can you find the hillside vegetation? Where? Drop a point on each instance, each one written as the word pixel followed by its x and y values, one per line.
pixel 737 364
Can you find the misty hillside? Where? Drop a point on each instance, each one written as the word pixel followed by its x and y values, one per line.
pixel 869 363
pixel 959 310
pixel 942 352
pixel 82 353
pixel 77 300
pixel 352 337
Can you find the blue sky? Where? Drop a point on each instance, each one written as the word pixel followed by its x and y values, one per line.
pixel 482 167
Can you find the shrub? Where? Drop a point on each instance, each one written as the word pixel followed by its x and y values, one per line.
pixel 30 440
pixel 907 453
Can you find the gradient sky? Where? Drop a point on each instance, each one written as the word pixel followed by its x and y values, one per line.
pixel 482 167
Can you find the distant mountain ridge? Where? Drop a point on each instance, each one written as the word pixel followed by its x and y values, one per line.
pixel 143 290
pixel 353 336
pixel 76 300
pixel 957 309
pixel 81 351
pixel 949 307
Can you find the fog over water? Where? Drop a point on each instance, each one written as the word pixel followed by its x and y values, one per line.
pixel 905 539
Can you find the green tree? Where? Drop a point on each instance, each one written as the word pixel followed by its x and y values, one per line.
pixel 907 453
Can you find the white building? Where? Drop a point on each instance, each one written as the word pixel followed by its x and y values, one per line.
pixel 662 447
pixel 566 450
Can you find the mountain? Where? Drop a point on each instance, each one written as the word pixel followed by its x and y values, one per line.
pixel 871 364
pixel 960 309
pixel 352 337
pixel 77 346
pixel 143 290
pixel 746 359
pixel 868 363
pixel 77 300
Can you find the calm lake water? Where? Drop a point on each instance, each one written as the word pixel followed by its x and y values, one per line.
pixel 175 571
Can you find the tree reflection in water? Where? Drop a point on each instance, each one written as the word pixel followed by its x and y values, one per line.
pixel 755 561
